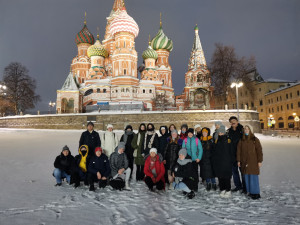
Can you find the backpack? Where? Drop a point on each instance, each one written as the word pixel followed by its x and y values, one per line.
pixel 197 140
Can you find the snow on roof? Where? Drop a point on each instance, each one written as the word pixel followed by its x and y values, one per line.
pixel 289 85
pixel 70 84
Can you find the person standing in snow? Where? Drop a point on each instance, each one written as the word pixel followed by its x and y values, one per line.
pixel 127 138
pixel 183 132
pixel 63 166
pixel 98 169
pixel 217 126
pixel 155 171
pixel 250 157
pixel 235 133
pixel 206 168
pixel 90 138
pixel 79 172
pixel 137 144
pixel 120 171
pixel 197 128
pixel 151 139
pixel 194 151
pixel 171 155
pixel 184 175
pixel 171 128
pixel 222 159
pixel 163 130
pixel 109 140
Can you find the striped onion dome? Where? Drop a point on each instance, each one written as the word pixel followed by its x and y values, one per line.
pixel 124 23
pixel 84 36
pixel 149 53
pixel 161 41
pixel 97 50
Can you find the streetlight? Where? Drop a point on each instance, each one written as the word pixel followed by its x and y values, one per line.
pixel 296 118
pixel 237 85
pixel 51 105
pixel 2 93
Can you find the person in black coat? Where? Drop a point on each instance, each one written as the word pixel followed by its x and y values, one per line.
pixel 127 138
pixel 223 158
pixel 170 155
pixel 163 139
pixel 206 168
pixel 63 166
pixel 90 138
pixel 81 162
pixel 151 140
pixel 184 175
pixel 98 169
pixel 235 133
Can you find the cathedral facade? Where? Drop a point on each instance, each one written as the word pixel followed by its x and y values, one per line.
pixel 107 72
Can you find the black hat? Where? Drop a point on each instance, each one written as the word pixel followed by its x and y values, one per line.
pixel 190 130
pixel 90 123
pixel 66 148
pixel 128 127
pixel 184 126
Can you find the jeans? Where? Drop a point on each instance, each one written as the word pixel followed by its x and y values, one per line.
pixel 236 176
pixel 252 183
pixel 181 187
pixel 211 180
pixel 58 174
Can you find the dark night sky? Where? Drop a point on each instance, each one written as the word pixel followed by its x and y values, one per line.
pixel 40 34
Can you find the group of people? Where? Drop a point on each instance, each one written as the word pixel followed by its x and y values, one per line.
pixel 170 160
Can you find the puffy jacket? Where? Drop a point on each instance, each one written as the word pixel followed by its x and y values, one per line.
pixel 92 140
pixel 206 164
pixel 117 161
pixel 194 150
pixel 159 167
pixel 64 163
pixel 163 140
pixel 171 152
pixel 187 173
pixel 99 164
pixel 109 142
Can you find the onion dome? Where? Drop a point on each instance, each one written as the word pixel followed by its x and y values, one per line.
pixel 161 41
pixel 124 23
pixel 149 53
pixel 196 27
pixel 84 36
pixel 97 50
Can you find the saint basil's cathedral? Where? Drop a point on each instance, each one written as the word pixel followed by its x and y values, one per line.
pixel 106 73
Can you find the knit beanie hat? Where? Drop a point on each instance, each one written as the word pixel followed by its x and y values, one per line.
pixel 153 150
pixel 197 126
pixel 218 123
pixel 183 151
pixel 128 127
pixel 184 126
pixel 121 145
pixel 174 131
pixel 190 130
pixel 109 126
pixel 66 148
pixel 222 129
pixel 98 149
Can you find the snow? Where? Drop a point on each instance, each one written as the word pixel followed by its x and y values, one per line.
pixel 28 195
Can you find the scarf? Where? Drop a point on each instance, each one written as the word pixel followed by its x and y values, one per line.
pixel 206 138
pixel 152 166
pixel 151 139
pixel 126 134
pixel 183 162
pixel 82 163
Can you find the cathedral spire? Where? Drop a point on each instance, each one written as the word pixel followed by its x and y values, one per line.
pixel 119 5
pixel 197 58
pixel 84 18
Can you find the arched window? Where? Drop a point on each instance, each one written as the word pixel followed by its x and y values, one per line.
pixel 150 91
pixel 98 90
pixel 88 92
pixel 290 118
pixel 280 118
pixel 122 90
pixel 104 90
pixel 144 91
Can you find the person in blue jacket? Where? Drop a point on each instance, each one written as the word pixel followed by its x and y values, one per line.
pixel 194 150
pixel 98 169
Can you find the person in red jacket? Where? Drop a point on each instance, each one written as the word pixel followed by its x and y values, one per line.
pixel 155 171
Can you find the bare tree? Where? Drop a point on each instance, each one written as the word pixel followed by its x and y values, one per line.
pixel 20 87
pixel 225 66
pixel 161 102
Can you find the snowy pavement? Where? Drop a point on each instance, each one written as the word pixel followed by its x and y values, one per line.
pixel 28 195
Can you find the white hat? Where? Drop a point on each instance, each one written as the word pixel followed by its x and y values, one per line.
pixel 153 150
pixel 109 126
pixel 196 126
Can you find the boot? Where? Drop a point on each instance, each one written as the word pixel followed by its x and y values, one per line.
pixel 191 195
pixel 214 187
pixel 255 196
pixel 127 186
pixel 57 185
pixel 77 184
pixel 222 193
pixel 208 186
pixel 227 194
pixel 92 187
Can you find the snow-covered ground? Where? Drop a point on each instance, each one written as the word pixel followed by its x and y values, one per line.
pixel 28 195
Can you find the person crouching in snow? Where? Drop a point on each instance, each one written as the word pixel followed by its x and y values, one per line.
pixel 120 171
pixel 250 157
pixel 79 172
pixel 155 171
pixel 63 166
pixel 184 174
pixel 98 169
pixel 223 159
pixel 206 168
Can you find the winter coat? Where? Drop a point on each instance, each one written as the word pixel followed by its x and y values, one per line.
pixel 235 136
pixel 187 173
pixel 64 163
pixel 155 143
pixel 159 167
pixel 78 160
pixel 206 164
pixel 249 154
pixel 139 159
pixel 183 136
pixel 99 164
pixel 171 152
pixel 163 140
pixel 109 142
pixel 117 162
pixel 223 157
pixel 193 150
pixel 128 148
pixel 92 140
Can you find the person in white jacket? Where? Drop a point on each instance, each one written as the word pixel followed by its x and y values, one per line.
pixel 109 140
